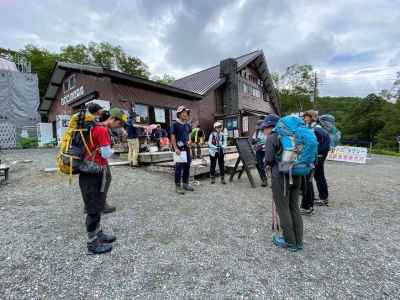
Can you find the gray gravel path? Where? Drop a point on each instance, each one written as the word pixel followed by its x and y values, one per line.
pixel 212 244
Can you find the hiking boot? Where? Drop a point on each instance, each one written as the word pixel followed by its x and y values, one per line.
pixel 108 209
pixel 179 190
pixel 212 180
pixel 279 241
pixel 188 187
pixel 98 247
pixel 320 202
pixel 293 248
pixel 307 212
pixel 106 238
pixel 223 180
pixel 264 182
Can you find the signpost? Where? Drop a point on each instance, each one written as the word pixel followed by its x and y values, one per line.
pixel 356 155
pixel 248 159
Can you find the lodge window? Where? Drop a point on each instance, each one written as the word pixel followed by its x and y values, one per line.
pixel 245 88
pixel 143 112
pixel 173 115
pixel 69 83
pixel 251 91
pixel 159 115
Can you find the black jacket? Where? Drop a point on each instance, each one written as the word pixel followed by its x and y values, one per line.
pixel 272 149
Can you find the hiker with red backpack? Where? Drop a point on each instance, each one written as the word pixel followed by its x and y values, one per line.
pixel 290 151
pixel 95 179
pixel 216 146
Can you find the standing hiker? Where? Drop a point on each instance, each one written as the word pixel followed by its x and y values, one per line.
pixel 216 146
pixel 328 123
pixel 324 141
pixel 258 140
pixel 281 155
pixel 180 139
pixel 94 186
pixel 197 137
pixel 133 140
pixel 94 113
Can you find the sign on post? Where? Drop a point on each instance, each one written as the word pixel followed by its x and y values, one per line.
pixel 356 155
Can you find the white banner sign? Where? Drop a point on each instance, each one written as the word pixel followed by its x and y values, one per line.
pixel 73 95
pixel 356 155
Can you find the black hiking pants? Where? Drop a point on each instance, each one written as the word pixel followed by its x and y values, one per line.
pixel 307 187
pixel 93 197
pixel 219 156
pixel 320 179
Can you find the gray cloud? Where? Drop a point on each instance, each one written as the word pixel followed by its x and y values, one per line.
pixel 355 45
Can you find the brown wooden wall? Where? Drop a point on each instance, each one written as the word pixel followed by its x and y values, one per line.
pixel 122 95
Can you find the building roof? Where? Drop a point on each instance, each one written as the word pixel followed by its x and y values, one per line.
pixel 61 68
pixel 205 80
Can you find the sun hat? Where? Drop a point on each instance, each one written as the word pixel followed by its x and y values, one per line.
pixel 118 114
pixel 182 108
pixel 269 121
pixel 312 114
pixel 217 124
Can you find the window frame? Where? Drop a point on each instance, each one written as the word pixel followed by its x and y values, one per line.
pixel 143 120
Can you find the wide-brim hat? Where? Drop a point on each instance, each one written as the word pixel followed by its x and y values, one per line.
pixel 217 124
pixel 182 108
pixel 269 121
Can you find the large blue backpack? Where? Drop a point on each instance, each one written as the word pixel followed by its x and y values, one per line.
pixel 299 146
pixel 328 122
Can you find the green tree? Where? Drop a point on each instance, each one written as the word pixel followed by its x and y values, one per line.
pixel 394 93
pixel 42 62
pixel 165 79
pixel 367 119
pixel 100 54
pixel 78 54
pixel 295 88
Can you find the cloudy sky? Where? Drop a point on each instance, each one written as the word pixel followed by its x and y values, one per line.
pixel 353 44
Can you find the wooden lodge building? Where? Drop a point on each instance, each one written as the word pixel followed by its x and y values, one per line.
pixel 237 91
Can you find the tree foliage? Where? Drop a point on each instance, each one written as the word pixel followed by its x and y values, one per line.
pixel 165 79
pixel 99 54
pixel 370 119
pixel 295 87
pixel 42 62
pixel 394 93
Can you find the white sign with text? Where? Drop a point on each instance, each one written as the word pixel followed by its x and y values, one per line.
pixel 72 96
pixel 356 155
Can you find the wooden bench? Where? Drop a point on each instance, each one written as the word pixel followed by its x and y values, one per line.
pixel 4 173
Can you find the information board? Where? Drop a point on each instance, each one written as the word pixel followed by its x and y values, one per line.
pixel 356 155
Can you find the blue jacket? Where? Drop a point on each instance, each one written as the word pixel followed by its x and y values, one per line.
pixel 131 130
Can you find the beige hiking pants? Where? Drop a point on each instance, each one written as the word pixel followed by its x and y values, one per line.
pixel 133 153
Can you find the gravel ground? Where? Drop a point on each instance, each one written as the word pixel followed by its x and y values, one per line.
pixel 212 244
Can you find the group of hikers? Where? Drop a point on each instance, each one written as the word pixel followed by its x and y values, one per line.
pixel 291 149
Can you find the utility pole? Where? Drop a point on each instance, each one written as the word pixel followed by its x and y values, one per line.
pixel 315 90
